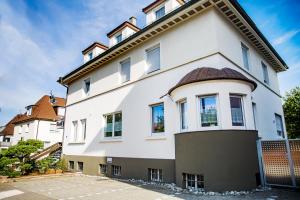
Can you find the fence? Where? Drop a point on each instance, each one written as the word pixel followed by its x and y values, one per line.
pixel 280 162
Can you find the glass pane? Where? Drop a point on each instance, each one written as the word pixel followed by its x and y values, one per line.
pixel 125 71
pixel 265 73
pixel 208 110
pixel 236 111
pixel 160 13
pixel 119 38
pixel 245 56
pixel 183 115
pixel 118 124
pixel 87 85
pixel 158 124
pixel 108 128
pixel 153 59
pixel 279 125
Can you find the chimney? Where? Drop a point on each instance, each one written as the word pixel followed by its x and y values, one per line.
pixel 132 20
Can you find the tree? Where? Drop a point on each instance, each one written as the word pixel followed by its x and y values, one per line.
pixel 291 108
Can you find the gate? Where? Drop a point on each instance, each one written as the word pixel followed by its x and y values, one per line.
pixel 280 162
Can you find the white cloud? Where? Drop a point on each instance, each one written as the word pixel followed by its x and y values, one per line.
pixel 285 37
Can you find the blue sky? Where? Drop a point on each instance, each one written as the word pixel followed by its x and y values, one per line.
pixel 42 40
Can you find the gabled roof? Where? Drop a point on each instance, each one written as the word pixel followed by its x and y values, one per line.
pixel 9 127
pixel 43 110
pixel 208 74
pixel 95 44
pixel 157 3
pixel 121 26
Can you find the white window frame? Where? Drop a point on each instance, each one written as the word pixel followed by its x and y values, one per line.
pixel 113 125
pixel 179 103
pixel 90 55
pixel 116 170
pixel 86 93
pixel 281 124
pixel 148 71
pixel 195 180
pixel 243 110
pixel 199 112
pixel 83 129
pixel 159 175
pixel 158 9
pixel 120 70
pixel 74 131
pixel 265 70
pixel 117 36
pixel 243 46
pixel 151 119
pixel 51 126
pixel 103 169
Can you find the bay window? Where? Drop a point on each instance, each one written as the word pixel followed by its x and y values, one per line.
pixel 208 111
pixel 113 126
pixel 236 106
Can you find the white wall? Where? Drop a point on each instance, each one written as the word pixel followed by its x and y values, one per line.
pixel 96 51
pixel 125 32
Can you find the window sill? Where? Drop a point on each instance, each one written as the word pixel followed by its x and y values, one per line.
pixel 116 139
pixel 76 143
pixel 156 136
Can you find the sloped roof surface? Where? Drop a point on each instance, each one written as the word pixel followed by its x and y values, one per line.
pixel 9 127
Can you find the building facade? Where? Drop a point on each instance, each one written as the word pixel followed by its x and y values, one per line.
pixel 182 100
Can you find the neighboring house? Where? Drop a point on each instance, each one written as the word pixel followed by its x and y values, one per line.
pixel 7 132
pixel 182 100
pixel 43 121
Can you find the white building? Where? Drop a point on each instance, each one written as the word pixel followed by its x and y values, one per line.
pixel 42 121
pixel 182 100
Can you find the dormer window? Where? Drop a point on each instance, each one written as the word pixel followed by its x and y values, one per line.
pixel 160 13
pixel 29 110
pixel 90 55
pixel 119 38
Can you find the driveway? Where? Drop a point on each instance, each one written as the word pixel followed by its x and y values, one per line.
pixel 87 187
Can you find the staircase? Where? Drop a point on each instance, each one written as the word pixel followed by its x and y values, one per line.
pixel 54 151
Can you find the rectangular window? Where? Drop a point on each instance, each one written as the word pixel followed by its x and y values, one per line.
pixel 245 52
pixel 71 165
pixel 158 119
pixel 125 70
pixel 183 115
pixel 80 166
pixel 193 181
pixel 52 127
pixel 279 125
pixel 83 129
pixel 236 106
pixel 27 128
pixel 208 111
pixel 116 170
pixel 113 126
pixel 87 86
pixel 119 38
pixel 265 73
pixel 74 130
pixel 155 175
pixel 90 55
pixel 153 59
pixel 103 169
pixel 160 13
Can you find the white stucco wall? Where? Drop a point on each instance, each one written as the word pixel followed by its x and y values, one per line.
pixel 125 32
pixel 96 51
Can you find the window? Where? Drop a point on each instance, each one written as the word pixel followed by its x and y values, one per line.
pixel 87 86
pixel 158 121
pixel 245 52
pixel 265 73
pixel 279 125
pixel 80 166
pixel 155 175
pixel 71 165
pixel 83 129
pixel 119 38
pixel 236 110
pixel 125 70
pixel 160 13
pixel 103 169
pixel 74 130
pixel 208 111
pixel 90 55
pixel 29 110
pixel 193 181
pixel 113 126
pixel 52 127
pixel 183 115
pixel 27 128
pixel 153 59
pixel 116 170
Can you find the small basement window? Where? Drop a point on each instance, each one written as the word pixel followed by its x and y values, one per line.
pixel 116 170
pixel 71 165
pixel 103 169
pixel 194 181
pixel 80 166
pixel 155 175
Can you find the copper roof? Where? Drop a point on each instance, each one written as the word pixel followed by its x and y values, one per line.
pixel 43 110
pixel 9 127
pixel 207 74
pixel 157 3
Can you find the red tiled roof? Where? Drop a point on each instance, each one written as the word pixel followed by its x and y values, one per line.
pixel 43 110
pixel 207 73
pixel 9 127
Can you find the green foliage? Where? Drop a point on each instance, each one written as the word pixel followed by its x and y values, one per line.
pixel 62 164
pixel 291 108
pixel 8 166
pixel 26 168
pixel 44 164
pixel 36 143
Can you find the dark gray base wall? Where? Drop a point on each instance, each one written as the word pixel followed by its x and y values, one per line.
pixel 227 159
pixel 136 168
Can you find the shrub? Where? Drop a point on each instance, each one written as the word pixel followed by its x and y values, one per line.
pixel 61 164
pixel 44 164
pixel 8 167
